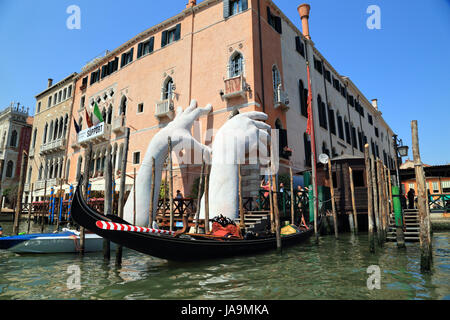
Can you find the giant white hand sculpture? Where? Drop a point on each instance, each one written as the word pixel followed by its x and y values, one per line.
pixel 180 132
pixel 242 135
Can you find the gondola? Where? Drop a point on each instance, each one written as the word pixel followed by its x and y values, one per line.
pixel 172 248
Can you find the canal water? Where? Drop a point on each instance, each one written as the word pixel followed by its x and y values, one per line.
pixel 330 270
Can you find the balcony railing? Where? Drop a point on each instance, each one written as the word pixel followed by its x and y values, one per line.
pixel 234 87
pixel 281 99
pixel 119 123
pixel 164 108
pixel 53 146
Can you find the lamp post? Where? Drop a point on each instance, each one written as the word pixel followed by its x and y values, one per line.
pixel 400 152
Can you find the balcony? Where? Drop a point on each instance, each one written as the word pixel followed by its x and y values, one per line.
pixel 96 134
pixel 234 87
pixel 164 108
pixel 53 146
pixel 281 99
pixel 119 123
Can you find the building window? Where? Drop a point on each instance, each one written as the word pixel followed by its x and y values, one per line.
pixel 340 127
pixel 146 47
pixel 84 83
pixel 322 113
pixel 274 21
pixel 168 89
pixel 140 108
pixel 232 7
pixel 307 146
pixel 69 92
pixel 236 65
pixel 336 84
pixel 95 76
pixel 347 133
pixel 170 35
pixel 318 65
pixel 327 74
pixel 13 141
pixel 354 142
pixel 376 132
pixel 38 107
pixel 82 102
pixel 123 106
pixel 350 100
pixel 49 102
pixel 331 121
pixel 127 58
pixel 276 79
pixel 303 99
pixel 64 94
pixel 300 46
pixel 370 119
pixel 9 169
pixel 358 178
pixel 136 157
pixel 34 138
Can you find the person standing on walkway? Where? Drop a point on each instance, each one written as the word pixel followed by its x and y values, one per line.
pixel 411 196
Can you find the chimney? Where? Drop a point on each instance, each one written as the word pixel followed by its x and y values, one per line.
pixel 303 10
pixel 192 3
pixel 50 82
pixel 375 103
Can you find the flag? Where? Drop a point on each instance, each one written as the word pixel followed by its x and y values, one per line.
pixel 77 127
pixel 309 127
pixel 88 119
pixel 98 115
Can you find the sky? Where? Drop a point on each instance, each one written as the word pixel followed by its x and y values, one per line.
pixel 405 64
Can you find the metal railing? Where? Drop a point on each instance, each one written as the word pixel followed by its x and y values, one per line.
pixel 54 145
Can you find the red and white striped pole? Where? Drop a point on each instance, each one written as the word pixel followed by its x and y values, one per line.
pixel 111 226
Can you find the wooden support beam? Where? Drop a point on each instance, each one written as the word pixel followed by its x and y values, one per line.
pixel 20 192
pixel 369 198
pixel 123 176
pixel 30 208
pixel 426 253
pixel 276 213
pixel 44 211
pixel 381 203
pixel 208 170
pixel 199 196
pixel 170 183
pixel 152 194
pixel 333 203
pixel 375 197
pixel 352 191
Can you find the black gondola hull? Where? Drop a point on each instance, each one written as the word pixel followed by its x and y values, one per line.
pixel 171 248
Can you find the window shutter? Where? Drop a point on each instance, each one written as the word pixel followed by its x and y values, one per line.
pixel 164 38
pixel 178 32
pixel 244 5
pixel 139 52
pixel 226 8
pixel 151 44
pixel 131 54
pixel 278 25
pixel 122 63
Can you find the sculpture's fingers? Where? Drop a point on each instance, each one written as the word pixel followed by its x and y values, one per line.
pixel 254 115
pixel 202 111
pixel 192 106
pixel 179 112
pixel 264 136
pixel 261 125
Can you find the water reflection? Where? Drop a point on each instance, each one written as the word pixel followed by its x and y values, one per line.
pixel 330 270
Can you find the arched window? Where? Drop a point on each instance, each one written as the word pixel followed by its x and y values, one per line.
pixel 322 112
pixel 13 141
pixel 168 89
pixel 123 106
pixel 340 126
pixel 64 93
pixel 303 99
pixel 41 171
pixel 50 132
pixel 61 127
pixel 236 65
pixel 80 123
pixel 44 137
pixel 9 169
pixel 55 131
pixel 276 79
pixel 66 122
pixel 109 117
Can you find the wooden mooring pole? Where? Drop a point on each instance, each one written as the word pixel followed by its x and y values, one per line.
pixel 375 197
pixel 208 169
pixel 44 211
pixel 30 207
pixel 426 257
pixel 381 197
pixel 199 196
pixel 87 163
pixel 369 198
pixel 170 183
pixel 276 213
pixel 152 196
pixel 108 200
pixel 292 196
pixel 123 176
pixel 333 203
pixel 20 192
pixel 134 197
pixel 241 205
pixel 352 191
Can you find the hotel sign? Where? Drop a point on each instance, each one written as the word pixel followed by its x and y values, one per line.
pixel 91 133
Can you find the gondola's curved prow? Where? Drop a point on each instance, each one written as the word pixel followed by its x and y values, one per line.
pixel 169 247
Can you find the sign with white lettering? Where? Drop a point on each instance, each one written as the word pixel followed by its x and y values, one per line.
pixel 91 133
